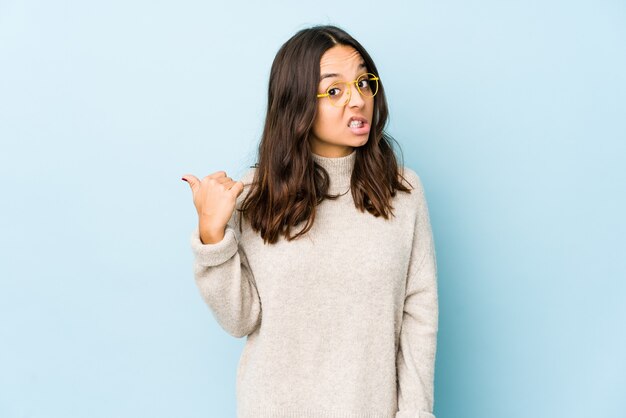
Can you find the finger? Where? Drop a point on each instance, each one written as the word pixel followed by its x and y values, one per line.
pixel 237 188
pixel 223 180
pixel 217 174
pixel 192 180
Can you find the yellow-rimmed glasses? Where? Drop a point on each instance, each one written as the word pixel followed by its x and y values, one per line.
pixel 366 84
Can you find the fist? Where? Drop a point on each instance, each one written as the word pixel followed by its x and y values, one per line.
pixel 214 197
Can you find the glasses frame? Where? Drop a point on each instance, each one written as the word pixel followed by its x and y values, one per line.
pixel 349 90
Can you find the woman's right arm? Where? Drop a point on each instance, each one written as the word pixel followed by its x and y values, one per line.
pixel 226 284
pixel 221 269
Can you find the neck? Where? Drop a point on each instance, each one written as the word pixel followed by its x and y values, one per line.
pixel 339 169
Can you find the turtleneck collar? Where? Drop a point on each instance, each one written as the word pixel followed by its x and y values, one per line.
pixel 339 169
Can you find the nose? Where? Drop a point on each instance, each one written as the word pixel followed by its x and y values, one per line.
pixel 356 100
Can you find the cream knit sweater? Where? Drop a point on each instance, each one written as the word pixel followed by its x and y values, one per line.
pixel 341 322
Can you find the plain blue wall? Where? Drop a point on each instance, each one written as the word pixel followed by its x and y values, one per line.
pixel 512 112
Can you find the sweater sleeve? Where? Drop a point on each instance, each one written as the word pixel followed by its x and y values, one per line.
pixel 415 360
pixel 225 280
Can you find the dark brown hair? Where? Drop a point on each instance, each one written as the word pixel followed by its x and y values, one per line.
pixel 288 184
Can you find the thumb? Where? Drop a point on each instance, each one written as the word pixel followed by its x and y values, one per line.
pixel 192 180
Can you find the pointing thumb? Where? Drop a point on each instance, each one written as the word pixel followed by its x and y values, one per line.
pixel 192 180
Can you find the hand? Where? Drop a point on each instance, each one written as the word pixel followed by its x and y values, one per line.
pixel 215 198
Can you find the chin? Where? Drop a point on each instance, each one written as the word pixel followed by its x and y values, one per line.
pixel 362 141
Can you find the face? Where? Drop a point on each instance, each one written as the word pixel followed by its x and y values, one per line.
pixel 331 135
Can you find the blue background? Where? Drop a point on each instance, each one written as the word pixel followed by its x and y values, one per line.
pixel 512 112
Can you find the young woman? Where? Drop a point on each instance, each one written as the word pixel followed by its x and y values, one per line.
pixel 329 268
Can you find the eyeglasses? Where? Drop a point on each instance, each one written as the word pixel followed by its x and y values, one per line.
pixel 366 84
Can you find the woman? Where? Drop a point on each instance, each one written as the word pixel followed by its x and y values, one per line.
pixel 329 269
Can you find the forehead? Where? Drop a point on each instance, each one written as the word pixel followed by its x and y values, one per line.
pixel 341 60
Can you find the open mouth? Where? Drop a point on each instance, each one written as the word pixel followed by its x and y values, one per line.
pixel 359 127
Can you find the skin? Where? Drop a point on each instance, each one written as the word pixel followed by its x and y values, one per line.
pixel 215 198
pixel 331 136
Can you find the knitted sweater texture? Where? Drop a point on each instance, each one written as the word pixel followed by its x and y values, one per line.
pixel 341 322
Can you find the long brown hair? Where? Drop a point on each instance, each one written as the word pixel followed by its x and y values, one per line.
pixel 288 184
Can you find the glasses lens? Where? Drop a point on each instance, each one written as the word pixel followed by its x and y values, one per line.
pixel 368 84
pixel 337 93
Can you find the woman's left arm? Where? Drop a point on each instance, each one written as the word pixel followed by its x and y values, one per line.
pixel 415 361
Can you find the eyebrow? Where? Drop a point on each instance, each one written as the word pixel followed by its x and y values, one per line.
pixel 330 75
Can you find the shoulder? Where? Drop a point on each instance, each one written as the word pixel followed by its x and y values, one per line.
pixel 413 181
pixel 248 176
pixel 410 178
